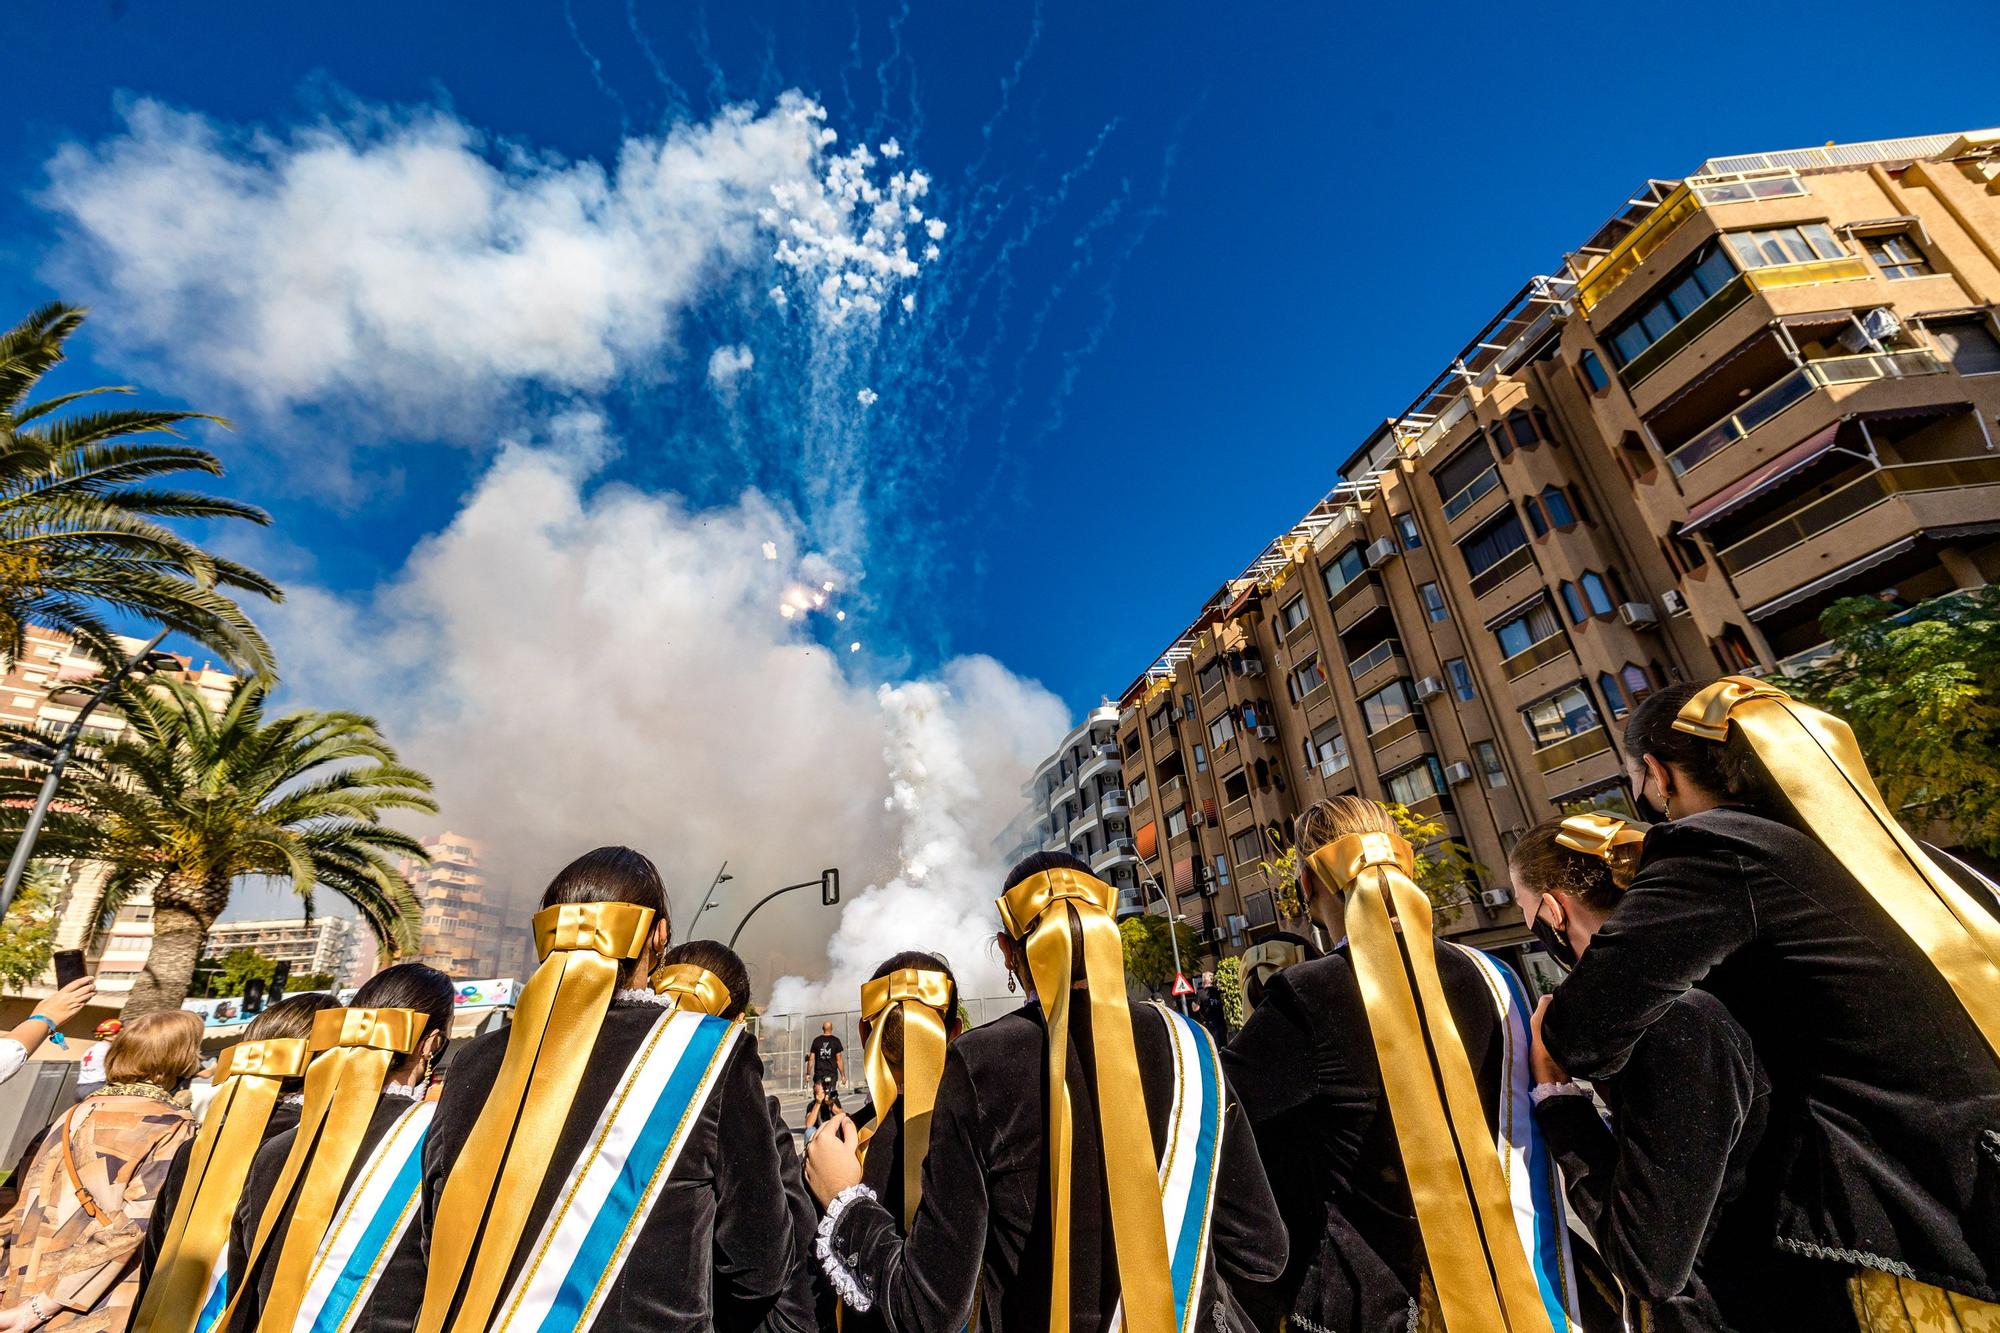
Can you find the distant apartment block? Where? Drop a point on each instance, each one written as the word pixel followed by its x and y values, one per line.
pixel 1077 802
pixel 465 932
pixel 324 944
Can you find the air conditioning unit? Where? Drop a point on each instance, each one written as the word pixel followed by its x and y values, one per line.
pixel 1430 687
pixel 1267 733
pixel 1637 614
pixel 1381 551
pixel 1496 897
pixel 1196 818
pixel 1250 666
pixel 1458 772
pixel 1675 603
pixel 1175 714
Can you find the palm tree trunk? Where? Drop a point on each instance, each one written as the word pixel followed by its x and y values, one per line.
pixel 177 937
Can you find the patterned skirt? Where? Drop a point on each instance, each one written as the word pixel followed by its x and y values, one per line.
pixel 1885 1303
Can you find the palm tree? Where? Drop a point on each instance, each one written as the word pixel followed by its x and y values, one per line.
pixel 190 798
pixel 78 510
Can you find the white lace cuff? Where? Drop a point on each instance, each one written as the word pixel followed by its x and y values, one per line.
pixel 846 1284
pixel 414 1092
pixel 643 995
pixel 1541 1092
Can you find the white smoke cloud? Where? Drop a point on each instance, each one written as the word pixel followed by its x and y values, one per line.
pixel 727 364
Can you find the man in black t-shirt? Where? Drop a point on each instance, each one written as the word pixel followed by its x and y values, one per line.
pixel 827 1066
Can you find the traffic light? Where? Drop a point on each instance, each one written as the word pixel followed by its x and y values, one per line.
pixel 253 996
pixel 829 887
pixel 279 976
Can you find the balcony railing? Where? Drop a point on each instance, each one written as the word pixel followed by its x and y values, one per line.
pixel 1471 491
pixel 1113 802
pixel 1373 658
pixel 1384 737
pixel 1334 763
pixel 1699 321
pixel 1497 573
pixel 1844 268
pixel 1580 746
pixel 1626 256
pixel 1535 654
pixel 1235 810
pixel 1856 497
pixel 1800 384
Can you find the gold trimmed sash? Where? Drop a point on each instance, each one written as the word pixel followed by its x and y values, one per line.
pixel 1043 910
pixel 247 1078
pixel 1464 1208
pixel 1814 759
pixel 1614 841
pixel 924 997
pixel 355 1050
pixel 501 1167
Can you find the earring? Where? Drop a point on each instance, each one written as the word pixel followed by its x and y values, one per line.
pixel 1010 983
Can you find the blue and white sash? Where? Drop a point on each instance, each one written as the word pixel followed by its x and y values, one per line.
pixel 1188 1167
pixel 371 1219
pixel 215 1298
pixel 1531 1173
pixel 582 1246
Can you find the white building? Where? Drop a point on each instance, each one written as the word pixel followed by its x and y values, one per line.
pixel 324 944
pixel 1077 803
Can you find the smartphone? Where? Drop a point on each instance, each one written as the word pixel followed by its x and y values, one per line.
pixel 69 967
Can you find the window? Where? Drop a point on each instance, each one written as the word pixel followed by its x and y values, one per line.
pixel 1348 566
pixel 1733 649
pixel 1459 472
pixel 1522 427
pixel 1597 593
pixel 1292 613
pixel 1156 721
pixel 1327 750
pixel 1419 782
pixel 1573 603
pixel 1773 246
pixel 1220 731
pixel 1707 273
pixel 1564 714
pixel 1434 606
pixel 1896 255
pixel 1557 505
pixel 1236 787
pixel 1637 683
pixel 1493 543
pixel 1593 371
pixel 1501 444
pixel 1535 519
pixel 1490 767
pixel 1247 847
pixel 1406 528
pixel 1177 821
pixel 1527 629
pixel 1612 799
pixel 1388 705
pixel 1305 678
pixel 1222 871
pixel 1968 344
pixel 1614 698
pixel 1209 678
pixel 1140 790
pixel 1201 758
pixel 1576 504
pixel 1460 676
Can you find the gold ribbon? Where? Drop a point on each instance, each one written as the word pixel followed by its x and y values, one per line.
pixel 693 987
pixel 1610 839
pixel 1465 1211
pixel 500 1169
pixel 246 1079
pixel 1041 910
pixel 356 1049
pixel 1813 758
pixel 1266 960
pixel 923 995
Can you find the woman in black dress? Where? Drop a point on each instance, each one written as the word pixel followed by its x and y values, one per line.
pixel 1029 1231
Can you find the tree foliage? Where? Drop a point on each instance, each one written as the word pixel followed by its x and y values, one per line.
pixel 1229 984
pixel 1149 954
pixel 1445 867
pixel 28 935
pixel 1921 689
pixel 80 504
pixel 238 968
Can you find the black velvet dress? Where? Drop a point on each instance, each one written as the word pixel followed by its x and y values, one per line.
pixel 805 1301
pixel 1884 1130
pixel 984 1222
pixel 284 1118
pixel 392 1307
pixel 721 1229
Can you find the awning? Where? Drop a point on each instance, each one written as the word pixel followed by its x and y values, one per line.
pixel 1183 875
pixel 1148 838
pixel 1852 569
pixel 1915 412
pixel 1743 488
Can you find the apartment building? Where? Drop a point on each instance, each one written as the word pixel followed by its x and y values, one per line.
pixel 1753 391
pixel 465 930
pixel 1077 803
pixel 38 688
pixel 324 944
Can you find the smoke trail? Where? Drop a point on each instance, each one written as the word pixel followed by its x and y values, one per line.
pixel 678 105
pixel 597 70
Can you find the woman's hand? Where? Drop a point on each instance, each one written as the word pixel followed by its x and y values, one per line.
pixel 68 1002
pixel 19 1318
pixel 832 1160
pixel 1540 1063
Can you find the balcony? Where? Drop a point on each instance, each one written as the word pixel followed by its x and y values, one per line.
pixel 1381 653
pixel 1357 601
pixel 1625 258
pixel 1497 573
pixel 1471 491
pixel 1580 746
pixel 1867 492
pixel 1113 803
pixel 1099 759
pixel 1794 388
pixel 1733 294
pixel 1385 737
pixel 1236 812
pixel 1173 793
pixel 1534 655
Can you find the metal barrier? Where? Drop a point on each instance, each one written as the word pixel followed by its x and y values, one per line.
pixel 30 1100
pixel 783 1039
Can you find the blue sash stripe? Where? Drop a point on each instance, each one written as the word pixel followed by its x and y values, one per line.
pixel 1194 1221
pixel 1549 1220
pixel 614 1216
pixel 218 1300
pixel 372 1249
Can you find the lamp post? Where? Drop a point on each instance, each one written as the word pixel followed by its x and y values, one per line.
pixel 1173 936
pixel 144 663
pixel 722 877
pixel 828 885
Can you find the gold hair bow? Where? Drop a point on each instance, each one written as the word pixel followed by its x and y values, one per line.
pixel 924 997
pixel 1813 758
pixel 694 988
pixel 1271 957
pixel 1039 910
pixel 1610 839
pixel 505 1158
pixel 354 1051
pixel 1481 1271
pixel 247 1079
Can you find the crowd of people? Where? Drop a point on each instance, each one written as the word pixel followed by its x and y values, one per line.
pixel 1766 1096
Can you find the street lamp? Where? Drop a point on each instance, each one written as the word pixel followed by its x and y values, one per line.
pixel 144 663
pixel 828 885
pixel 722 877
pixel 1173 936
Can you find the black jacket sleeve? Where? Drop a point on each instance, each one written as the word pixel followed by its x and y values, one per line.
pixel 1248 1239
pixel 1648 1192
pixel 163 1216
pixel 928 1281
pixel 753 1220
pixel 1687 911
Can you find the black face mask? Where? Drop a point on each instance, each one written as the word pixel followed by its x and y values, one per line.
pixel 1554 941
